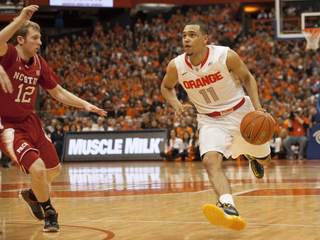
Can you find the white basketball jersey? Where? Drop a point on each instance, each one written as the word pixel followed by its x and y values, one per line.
pixel 209 85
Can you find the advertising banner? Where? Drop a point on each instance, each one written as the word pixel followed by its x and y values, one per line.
pixel 114 145
pixel 313 147
pixel 81 3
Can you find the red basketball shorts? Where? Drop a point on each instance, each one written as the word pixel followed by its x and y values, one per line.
pixel 17 138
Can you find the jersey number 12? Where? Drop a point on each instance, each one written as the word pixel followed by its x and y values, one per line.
pixel 26 93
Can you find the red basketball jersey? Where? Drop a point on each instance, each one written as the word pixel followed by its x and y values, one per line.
pixel 24 78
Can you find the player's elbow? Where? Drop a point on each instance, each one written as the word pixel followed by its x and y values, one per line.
pixel 164 88
pixel 248 79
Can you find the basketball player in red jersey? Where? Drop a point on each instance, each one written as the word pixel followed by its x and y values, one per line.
pixel 209 74
pixel 22 137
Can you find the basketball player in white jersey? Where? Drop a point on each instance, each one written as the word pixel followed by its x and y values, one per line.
pixel 209 76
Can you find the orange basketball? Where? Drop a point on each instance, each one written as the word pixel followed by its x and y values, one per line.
pixel 257 127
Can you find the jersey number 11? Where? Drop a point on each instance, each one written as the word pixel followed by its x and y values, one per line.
pixel 212 93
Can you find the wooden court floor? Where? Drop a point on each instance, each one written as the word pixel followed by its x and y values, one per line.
pixel 163 201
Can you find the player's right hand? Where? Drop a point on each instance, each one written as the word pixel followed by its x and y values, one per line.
pixel 178 112
pixel 5 81
pixel 27 12
pixel 92 108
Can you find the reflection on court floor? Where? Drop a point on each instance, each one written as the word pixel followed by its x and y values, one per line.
pixel 157 200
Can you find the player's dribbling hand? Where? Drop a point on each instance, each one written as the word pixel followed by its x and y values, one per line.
pixel 27 12
pixel 180 110
pixel 261 109
pixel 5 81
pixel 92 108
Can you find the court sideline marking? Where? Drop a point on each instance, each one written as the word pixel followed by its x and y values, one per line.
pixel 178 222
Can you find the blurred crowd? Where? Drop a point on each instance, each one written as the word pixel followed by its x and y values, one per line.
pixel 11 6
pixel 120 68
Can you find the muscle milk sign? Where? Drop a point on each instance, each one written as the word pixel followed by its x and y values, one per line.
pixel 109 146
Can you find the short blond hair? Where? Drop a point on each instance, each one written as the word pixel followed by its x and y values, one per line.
pixel 23 31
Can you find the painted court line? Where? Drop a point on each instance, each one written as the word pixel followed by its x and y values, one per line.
pixel 136 195
pixel 246 191
pixel 178 222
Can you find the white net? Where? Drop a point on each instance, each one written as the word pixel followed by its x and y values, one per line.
pixel 312 36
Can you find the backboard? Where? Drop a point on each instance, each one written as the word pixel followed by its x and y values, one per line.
pixel 292 16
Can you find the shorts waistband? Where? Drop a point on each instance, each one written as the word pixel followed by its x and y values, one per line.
pixel 215 114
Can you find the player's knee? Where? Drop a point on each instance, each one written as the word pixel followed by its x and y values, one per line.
pixel 57 170
pixel 212 160
pixel 38 169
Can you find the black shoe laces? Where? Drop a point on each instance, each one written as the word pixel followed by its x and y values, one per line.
pixel 223 205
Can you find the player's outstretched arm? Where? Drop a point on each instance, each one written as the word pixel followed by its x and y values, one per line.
pixel 68 98
pixel 5 81
pixel 9 30
pixel 235 64
pixel 168 92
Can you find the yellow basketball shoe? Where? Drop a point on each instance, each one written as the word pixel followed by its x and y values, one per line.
pixel 256 168
pixel 224 215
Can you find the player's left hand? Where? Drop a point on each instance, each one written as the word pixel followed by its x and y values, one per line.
pixel 5 81
pixel 261 109
pixel 92 108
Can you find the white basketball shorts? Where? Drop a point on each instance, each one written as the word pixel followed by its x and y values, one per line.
pixel 222 134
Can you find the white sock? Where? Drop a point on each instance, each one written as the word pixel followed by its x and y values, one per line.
pixel 226 198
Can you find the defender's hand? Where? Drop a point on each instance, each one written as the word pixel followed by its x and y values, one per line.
pixel 180 110
pixel 5 81
pixel 27 12
pixel 91 108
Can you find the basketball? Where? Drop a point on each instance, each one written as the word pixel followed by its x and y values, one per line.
pixel 257 127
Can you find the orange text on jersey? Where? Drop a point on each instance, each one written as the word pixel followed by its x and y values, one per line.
pixel 201 82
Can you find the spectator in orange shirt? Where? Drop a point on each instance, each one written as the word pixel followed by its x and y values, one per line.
pixel 129 111
pixel 62 108
pixel 87 94
pixel 55 112
pixel 298 125
pixel 129 125
pixel 183 128
pixel 158 112
pixel 117 28
pixel 98 28
pixel 281 124
pixel 139 93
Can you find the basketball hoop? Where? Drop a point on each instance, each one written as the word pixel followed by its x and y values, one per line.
pixel 312 36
